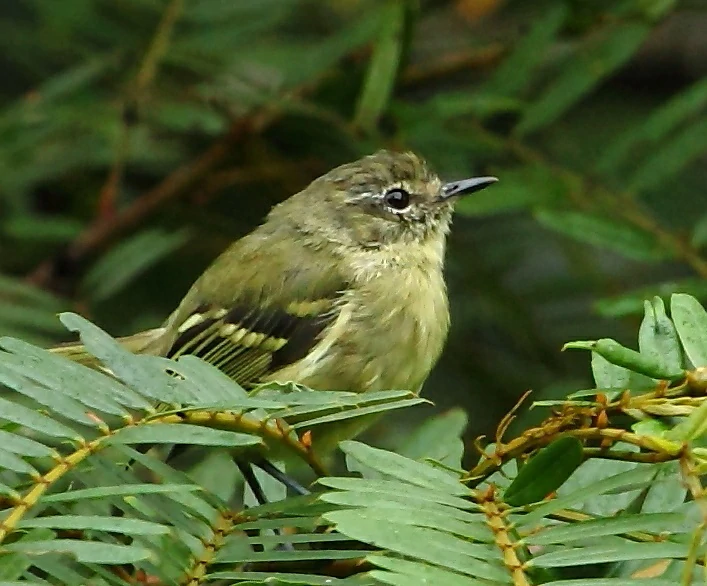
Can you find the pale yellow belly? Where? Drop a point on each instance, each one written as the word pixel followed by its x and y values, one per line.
pixel 378 343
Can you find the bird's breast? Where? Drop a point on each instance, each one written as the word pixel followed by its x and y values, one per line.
pixel 388 335
pixel 409 322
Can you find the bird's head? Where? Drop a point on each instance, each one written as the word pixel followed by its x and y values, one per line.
pixel 382 199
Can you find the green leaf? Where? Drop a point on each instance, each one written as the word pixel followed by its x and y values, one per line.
pixel 31 228
pixel 612 582
pixel 29 317
pixel 397 466
pixel 89 387
pixel 582 72
pixel 657 337
pixel 632 302
pixel 18 444
pixel 397 489
pixel 266 14
pixel 545 472
pixel 599 554
pixel 31 419
pixel 441 549
pixel 96 523
pixel 605 233
pixel 691 323
pixel 284 579
pixel 386 496
pixel 102 492
pixel 60 571
pixel 144 373
pixel 691 428
pixel 650 427
pixel 21 291
pixel 699 234
pixel 359 412
pixel 453 104
pixel 667 491
pixel 305 523
pixel 653 130
pixel 228 555
pixel 202 505
pixel 87 552
pixel 293 394
pixel 383 68
pixel 608 376
pixel 474 527
pixel 439 438
pixel 175 433
pixel 523 187
pixel 515 72
pixel 183 117
pixel 9 461
pixel 562 534
pixel 10 492
pixel 616 482
pixel 60 86
pixel 408 573
pixel 617 354
pixel 214 384
pixel 300 62
pixel 216 473
pixel 55 391
pixel 274 540
pixel 14 565
pixel 387 500
pixel 670 158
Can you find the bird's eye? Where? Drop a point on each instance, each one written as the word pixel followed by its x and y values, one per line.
pixel 398 199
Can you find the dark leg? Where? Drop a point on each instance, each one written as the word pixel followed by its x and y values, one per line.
pixel 252 482
pixel 272 470
pixel 257 490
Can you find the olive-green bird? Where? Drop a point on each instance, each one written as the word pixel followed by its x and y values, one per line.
pixel 341 288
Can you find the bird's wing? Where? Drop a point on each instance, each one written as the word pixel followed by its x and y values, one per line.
pixel 273 319
pixel 249 342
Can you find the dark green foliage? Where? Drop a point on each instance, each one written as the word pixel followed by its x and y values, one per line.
pixel 74 508
pixel 137 138
pixel 547 471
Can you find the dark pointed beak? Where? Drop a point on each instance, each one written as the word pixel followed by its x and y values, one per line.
pixel 465 187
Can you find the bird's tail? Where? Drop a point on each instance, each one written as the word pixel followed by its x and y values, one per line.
pixel 147 342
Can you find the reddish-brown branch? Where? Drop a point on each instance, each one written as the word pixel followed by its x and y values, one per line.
pixel 106 229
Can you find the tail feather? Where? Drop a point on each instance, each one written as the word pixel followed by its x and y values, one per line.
pixel 147 342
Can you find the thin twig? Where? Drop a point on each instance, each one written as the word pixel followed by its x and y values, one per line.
pixel 101 233
pixel 691 480
pixel 145 75
pixel 451 63
pixel 220 180
pixel 158 46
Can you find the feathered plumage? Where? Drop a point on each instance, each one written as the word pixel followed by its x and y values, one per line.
pixel 341 288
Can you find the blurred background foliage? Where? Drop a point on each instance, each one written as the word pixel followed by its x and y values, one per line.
pixel 138 137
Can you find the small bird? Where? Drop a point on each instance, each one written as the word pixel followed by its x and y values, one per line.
pixel 341 288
